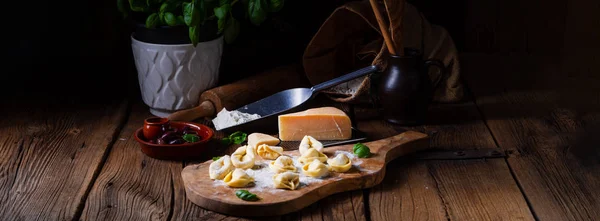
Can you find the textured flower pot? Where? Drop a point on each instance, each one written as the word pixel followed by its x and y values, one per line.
pixel 172 76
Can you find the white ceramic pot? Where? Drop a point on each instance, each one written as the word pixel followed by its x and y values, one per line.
pixel 172 77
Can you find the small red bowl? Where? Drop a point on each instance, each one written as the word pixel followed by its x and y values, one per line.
pixel 176 151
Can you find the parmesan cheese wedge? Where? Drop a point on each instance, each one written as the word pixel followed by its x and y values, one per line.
pixel 324 123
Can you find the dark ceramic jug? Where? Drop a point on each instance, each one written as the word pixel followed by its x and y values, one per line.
pixel 405 89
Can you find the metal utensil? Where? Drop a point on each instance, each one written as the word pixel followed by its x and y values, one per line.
pixel 291 100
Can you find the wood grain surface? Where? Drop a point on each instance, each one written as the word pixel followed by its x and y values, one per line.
pixel 480 189
pixel 133 186
pixel 50 154
pixel 550 122
pixel 201 190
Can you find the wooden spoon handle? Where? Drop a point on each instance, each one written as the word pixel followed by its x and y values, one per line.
pixel 205 109
pixel 383 27
pixel 395 12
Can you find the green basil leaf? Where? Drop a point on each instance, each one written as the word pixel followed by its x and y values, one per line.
pixel 246 195
pixel 216 158
pixel 239 140
pixel 221 25
pixel 161 17
pixel 168 7
pixel 232 30
pixel 191 16
pixel 275 5
pixel 201 8
pixel 222 11
pixel 226 141
pixel 164 7
pixel 238 137
pixel 170 19
pixel 356 146
pixel 191 137
pixel 257 11
pixel 194 35
pixel 223 2
pixel 122 6
pixel 363 152
pixel 152 20
pixel 137 5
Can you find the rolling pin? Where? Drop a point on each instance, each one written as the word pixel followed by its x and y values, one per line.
pixel 242 92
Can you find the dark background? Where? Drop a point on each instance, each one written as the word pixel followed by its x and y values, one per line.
pixel 81 49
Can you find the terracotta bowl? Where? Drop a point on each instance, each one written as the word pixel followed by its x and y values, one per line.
pixel 177 151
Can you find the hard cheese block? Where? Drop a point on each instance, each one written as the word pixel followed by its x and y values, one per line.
pixel 257 139
pixel 324 123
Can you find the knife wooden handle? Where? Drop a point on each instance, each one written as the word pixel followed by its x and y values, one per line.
pixel 245 91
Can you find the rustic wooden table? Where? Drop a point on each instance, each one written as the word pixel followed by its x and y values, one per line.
pixel 67 162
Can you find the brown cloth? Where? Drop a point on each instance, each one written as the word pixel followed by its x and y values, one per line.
pixel 350 39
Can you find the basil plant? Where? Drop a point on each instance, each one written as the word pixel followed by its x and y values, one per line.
pixel 193 13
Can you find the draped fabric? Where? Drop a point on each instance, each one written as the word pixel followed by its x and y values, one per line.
pixel 350 39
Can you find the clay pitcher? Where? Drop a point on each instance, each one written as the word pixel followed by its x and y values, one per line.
pixel 405 89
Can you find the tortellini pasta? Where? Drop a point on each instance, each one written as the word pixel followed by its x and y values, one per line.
pixel 309 142
pixel 220 168
pixel 312 154
pixel 257 139
pixel 282 164
pixel 238 178
pixel 269 152
pixel 243 157
pixel 315 169
pixel 340 163
pixel 286 180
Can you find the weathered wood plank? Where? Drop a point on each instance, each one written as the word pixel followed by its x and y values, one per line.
pixel 452 189
pixel 50 153
pixel 487 190
pixel 550 121
pixel 133 186
pixel 408 192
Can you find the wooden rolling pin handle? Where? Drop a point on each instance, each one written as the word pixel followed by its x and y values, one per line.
pixel 205 109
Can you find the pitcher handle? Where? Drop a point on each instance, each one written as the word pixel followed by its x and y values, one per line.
pixel 440 65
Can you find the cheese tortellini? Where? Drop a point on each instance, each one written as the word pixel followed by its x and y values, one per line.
pixel 282 164
pixel 238 178
pixel 340 163
pixel 286 180
pixel 243 157
pixel 220 168
pixel 257 139
pixel 312 154
pixel 269 152
pixel 309 142
pixel 315 169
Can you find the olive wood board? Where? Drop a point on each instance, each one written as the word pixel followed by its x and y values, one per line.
pixel 202 191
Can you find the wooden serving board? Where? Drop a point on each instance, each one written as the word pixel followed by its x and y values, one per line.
pixel 201 190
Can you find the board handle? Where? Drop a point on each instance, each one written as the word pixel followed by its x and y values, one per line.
pixel 400 145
